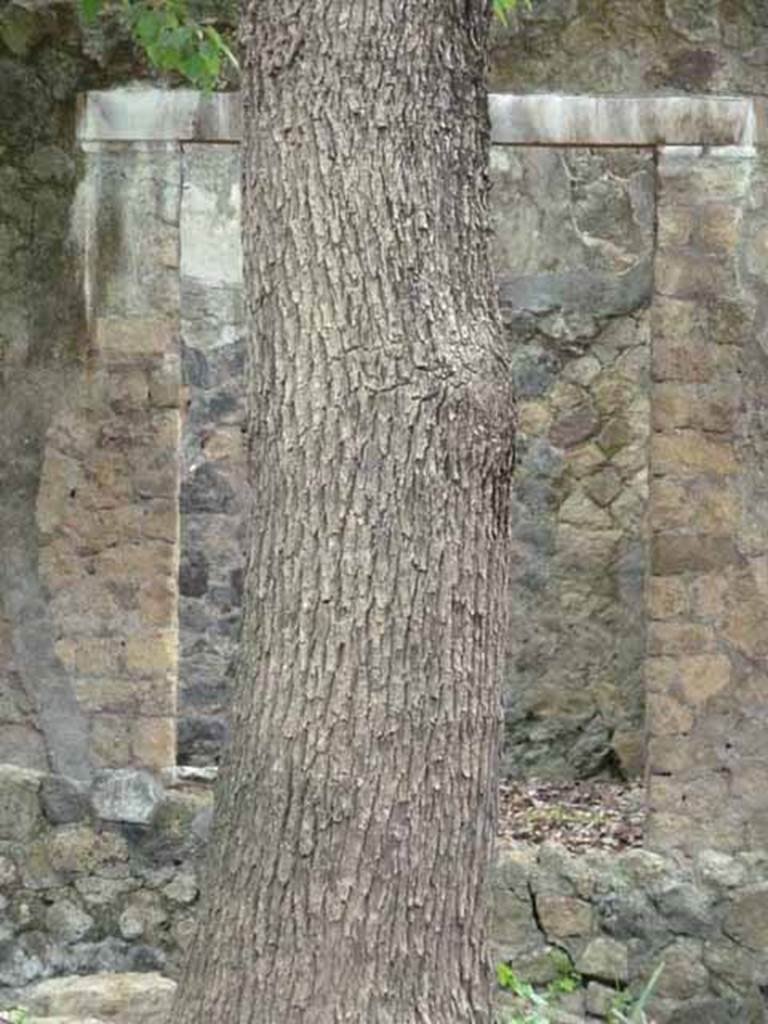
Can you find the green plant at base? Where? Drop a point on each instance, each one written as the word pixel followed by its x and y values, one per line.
pixel 626 1011
pixel 501 8
pixel 16 1015
pixel 536 1004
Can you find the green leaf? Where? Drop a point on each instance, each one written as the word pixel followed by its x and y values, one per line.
pixel 90 9
pixel 505 976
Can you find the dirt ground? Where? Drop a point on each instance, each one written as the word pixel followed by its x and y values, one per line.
pixel 578 815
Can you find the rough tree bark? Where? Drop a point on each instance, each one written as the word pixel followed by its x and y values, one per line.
pixel 355 818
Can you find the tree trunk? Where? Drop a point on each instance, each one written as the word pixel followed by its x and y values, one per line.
pixel 356 813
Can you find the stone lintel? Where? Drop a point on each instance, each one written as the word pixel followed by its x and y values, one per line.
pixel 138 113
pixel 141 114
pixel 555 120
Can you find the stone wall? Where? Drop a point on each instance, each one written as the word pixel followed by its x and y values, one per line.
pixel 214 493
pixel 584 225
pixel 96 878
pixel 614 918
pixel 107 502
pixel 573 250
pixel 708 634
pixel 575 297
pixel 105 877
pixel 43 350
pixel 623 46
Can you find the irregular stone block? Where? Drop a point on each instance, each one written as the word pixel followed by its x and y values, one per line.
pixel 127 795
pixel 574 426
pixel 127 998
pixel 674 553
pixel 684 975
pixel 605 960
pixel 667 597
pixel 747 918
pixel 673 638
pixel 81 850
pixel 720 869
pixel 691 452
pixel 513 922
pixel 20 810
pixel 563 916
pixel 667 716
pixel 67 921
pixel 134 336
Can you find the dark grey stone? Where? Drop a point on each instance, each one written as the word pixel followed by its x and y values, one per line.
pixel 194 368
pixel 200 739
pixel 193 574
pixel 64 801
pixel 207 491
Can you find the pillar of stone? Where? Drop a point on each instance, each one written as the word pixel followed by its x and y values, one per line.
pixel 707 596
pixel 107 507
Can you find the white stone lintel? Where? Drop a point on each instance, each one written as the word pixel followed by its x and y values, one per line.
pixel 555 120
pixel 148 114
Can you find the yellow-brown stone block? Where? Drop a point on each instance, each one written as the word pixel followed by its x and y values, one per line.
pixel 708 595
pixel 154 742
pixel 127 697
pixel 111 478
pixel 121 338
pixel 702 676
pixel 673 319
pixel 97 656
pixel 669 504
pixel 137 561
pixel 110 737
pixel 675 227
pixel 533 418
pixel 746 627
pixel 152 653
pixel 128 387
pixel 61 477
pixel 750 785
pixel 584 459
pixel 690 360
pixel 676 406
pixel 667 597
pixel 667 716
pixel 718 228
pixel 671 638
pixel 690 276
pixel 696 797
pixel 668 754
pixel 690 452
pixel 157 602
pixel 717 508
pixel 159 519
pixel 673 553
pixel 166 429
pixel 229 443
pixel 165 383
pixel 563 916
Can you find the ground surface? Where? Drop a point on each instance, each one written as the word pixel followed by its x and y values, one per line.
pixel 579 815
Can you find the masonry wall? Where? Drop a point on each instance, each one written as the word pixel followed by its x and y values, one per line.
pixel 124 537
pixel 573 252
pixel 214 494
pixel 707 598
pixel 44 349
pixel 626 47
pixel 107 877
